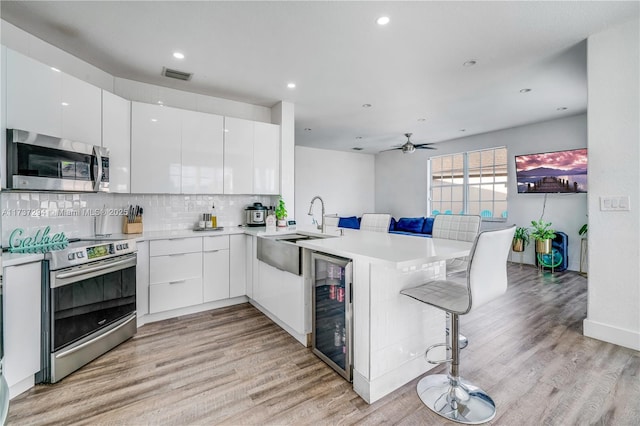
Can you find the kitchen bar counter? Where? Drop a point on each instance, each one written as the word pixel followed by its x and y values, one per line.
pixel 391 331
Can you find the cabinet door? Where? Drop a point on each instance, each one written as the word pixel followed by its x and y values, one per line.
pixel 33 96
pixel 266 158
pixel 116 135
pixel 238 156
pixel 215 275
pixel 202 153
pixel 155 149
pixel 81 111
pixel 22 315
pixel 237 265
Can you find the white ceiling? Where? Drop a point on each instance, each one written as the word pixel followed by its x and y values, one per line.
pixel 340 58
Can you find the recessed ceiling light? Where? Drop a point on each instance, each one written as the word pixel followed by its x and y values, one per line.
pixel 561 108
pixel 55 69
pixel 226 130
pixel 357 148
pixel 160 103
pixel 525 90
pixel 307 129
pixel 154 120
pixel 366 105
pixel 291 85
pixel 178 55
pixel 469 63
pixel 422 119
pixel 65 104
pixel 383 20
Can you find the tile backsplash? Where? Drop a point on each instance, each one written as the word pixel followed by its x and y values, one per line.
pixel 74 214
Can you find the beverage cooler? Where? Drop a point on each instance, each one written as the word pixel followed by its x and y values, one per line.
pixel 332 329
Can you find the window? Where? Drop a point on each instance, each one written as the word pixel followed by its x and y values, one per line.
pixel 473 182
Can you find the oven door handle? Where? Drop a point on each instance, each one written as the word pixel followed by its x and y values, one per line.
pixel 72 274
pixel 91 342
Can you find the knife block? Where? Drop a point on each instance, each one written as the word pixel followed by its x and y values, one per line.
pixel 132 227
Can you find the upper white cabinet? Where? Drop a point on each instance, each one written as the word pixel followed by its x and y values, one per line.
pixel 202 153
pixel 116 135
pixel 34 93
pixel 238 156
pixel 81 111
pixel 156 165
pixel 251 157
pixel 44 100
pixel 266 158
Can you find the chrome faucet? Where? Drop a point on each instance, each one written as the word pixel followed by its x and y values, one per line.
pixel 317 197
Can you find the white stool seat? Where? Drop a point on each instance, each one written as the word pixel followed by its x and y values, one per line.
pixel 450 296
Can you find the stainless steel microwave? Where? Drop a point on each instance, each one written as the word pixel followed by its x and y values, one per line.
pixel 38 162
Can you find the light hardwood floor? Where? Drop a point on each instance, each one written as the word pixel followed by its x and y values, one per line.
pixel 234 366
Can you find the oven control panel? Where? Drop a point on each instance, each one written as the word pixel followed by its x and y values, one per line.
pixel 84 252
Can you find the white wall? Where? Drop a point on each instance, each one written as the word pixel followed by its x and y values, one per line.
pixel 613 312
pixel 344 180
pixel 401 179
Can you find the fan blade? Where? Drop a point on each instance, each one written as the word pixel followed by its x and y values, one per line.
pixel 390 149
pixel 424 146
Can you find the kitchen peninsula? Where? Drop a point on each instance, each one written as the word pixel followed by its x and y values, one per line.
pixel 390 331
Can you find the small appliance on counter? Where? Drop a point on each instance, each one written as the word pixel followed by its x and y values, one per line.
pixel 255 215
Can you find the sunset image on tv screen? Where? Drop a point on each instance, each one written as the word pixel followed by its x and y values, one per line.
pixel 552 172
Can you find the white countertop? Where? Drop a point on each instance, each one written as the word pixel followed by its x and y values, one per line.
pixel 394 250
pixel 398 251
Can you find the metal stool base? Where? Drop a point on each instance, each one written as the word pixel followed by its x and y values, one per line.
pixel 456 400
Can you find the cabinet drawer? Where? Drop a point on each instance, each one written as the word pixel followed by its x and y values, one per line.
pixel 163 269
pixel 175 294
pixel 216 243
pixel 175 246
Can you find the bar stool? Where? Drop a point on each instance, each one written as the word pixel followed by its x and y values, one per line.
pixel 449 395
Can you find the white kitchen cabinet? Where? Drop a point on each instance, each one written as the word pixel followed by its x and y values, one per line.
pixel 156 165
pixel 81 111
pixel 142 279
pixel 282 294
pixel 175 274
pixel 237 265
pixel 266 158
pixel 21 298
pixel 44 100
pixel 116 135
pixel 34 92
pixel 215 258
pixel 238 156
pixel 202 153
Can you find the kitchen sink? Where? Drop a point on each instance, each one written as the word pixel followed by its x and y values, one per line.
pixel 282 252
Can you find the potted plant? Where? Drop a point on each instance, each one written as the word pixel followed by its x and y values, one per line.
pixel 543 234
pixel 281 213
pixel 520 239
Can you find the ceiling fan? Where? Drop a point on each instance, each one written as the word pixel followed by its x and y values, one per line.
pixel 409 147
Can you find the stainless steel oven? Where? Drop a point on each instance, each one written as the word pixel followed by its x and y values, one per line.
pixel 89 304
pixel 45 163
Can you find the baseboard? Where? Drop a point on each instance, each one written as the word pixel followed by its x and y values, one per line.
pixel 607 333
pixel 160 316
pixel 22 386
pixel 302 338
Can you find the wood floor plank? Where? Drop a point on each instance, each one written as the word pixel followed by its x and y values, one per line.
pixel 233 366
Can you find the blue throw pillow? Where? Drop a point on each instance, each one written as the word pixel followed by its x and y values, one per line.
pixel 392 224
pixel 410 224
pixel 428 225
pixel 349 222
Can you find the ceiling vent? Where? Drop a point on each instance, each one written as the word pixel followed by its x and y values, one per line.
pixel 179 75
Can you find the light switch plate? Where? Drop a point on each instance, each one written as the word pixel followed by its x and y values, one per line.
pixel 615 203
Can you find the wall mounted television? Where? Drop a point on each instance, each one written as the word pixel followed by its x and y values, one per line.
pixel 552 172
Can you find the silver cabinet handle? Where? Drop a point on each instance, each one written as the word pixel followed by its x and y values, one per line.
pixel 177 282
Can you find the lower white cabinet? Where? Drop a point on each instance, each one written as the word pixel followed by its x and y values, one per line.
pixel 21 300
pixel 175 274
pixel 215 273
pixel 142 279
pixel 282 294
pixel 237 265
